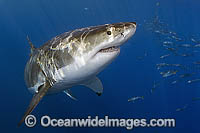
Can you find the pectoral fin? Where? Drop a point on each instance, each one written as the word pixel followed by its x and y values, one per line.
pixel 35 100
pixel 69 93
pixel 94 84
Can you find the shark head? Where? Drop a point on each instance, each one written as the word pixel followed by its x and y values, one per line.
pixel 103 42
pixel 105 39
pixel 93 48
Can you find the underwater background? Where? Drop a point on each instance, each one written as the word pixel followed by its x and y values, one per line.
pixel 161 62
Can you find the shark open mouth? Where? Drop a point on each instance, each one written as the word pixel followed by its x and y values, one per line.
pixel 110 49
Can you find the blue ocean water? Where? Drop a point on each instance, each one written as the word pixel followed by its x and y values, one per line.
pixel 133 73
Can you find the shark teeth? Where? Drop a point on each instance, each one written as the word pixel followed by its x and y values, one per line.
pixel 110 49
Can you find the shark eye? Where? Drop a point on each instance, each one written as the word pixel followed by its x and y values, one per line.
pixel 108 32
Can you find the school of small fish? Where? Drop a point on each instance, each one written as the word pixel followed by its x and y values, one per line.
pixel 176 48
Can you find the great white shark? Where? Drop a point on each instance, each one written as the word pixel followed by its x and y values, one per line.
pixel 74 58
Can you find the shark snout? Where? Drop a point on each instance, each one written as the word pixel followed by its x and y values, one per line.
pixel 134 24
pixel 130 28
pixel 131 25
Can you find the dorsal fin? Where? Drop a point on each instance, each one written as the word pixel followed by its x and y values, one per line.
pixel 33 48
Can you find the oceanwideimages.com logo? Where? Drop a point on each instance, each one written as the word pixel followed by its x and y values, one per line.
pixel 129 124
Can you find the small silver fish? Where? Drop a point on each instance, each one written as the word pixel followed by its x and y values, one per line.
pixel 133 99
pixel 186 45
pixel 194 40
pixel 186 75
pixel 197 45
pixel 176 38
pixel 174 82
pixel 183 108
pixel 160 65
pixel 171 49
pixel 177 65
pixel 167 42
pixel 164 56
pixel 171 32
pixel 183 76
pixel 168 73
pixel 194 80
